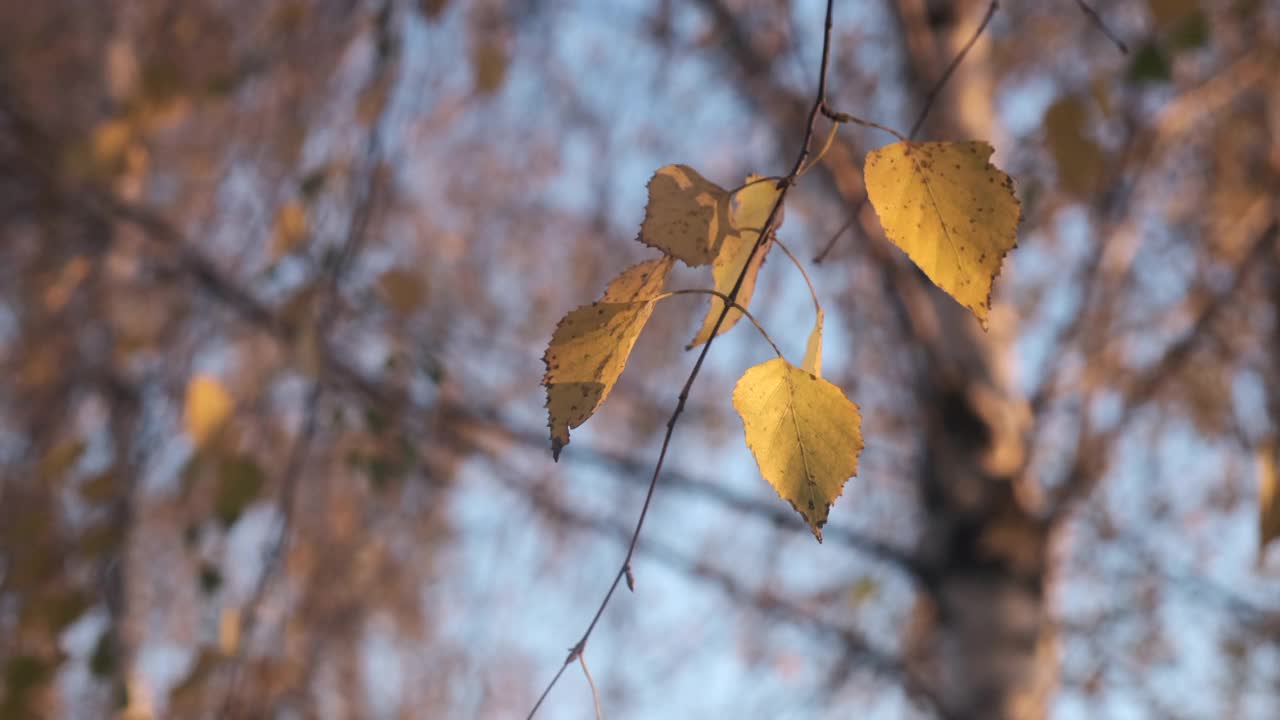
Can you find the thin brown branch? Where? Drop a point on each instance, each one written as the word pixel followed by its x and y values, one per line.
pixel 464 429
pixel 831 243
pixel 624 571
pixel 732 304
pixel 955 63
pixel 1097 21
pixel 879 660
pixel 841 117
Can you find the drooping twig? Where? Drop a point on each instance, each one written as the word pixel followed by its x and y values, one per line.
pixel 955 63
pixel 826 250
pixel 784 185
pixel 732 304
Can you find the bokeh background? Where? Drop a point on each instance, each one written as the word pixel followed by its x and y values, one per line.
pixel 276 278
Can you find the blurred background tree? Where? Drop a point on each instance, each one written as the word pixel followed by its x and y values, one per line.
pixel 275 279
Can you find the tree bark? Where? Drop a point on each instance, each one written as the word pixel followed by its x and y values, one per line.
pixel 983 633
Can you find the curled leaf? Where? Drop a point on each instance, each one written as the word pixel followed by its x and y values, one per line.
pixel 748 213
pixel 591 345
pixel 952 212
pixel 813 349
pixel 804 433
pixel 687 215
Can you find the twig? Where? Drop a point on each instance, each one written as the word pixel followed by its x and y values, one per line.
pixel 841 117
pixel 955 63
pixel 465 427
pixel 879 659
pixel 595 696
pixel 826 250
pixel 817 306
pixel 831 136
pixel 733 305
pixel 783 186
pixel 1102 26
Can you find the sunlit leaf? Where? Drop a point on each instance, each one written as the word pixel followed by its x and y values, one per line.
pixel 687 215
pixel 813 348
pixel 208 406
pixel 750 207
pixel 591 344
pixel 748 212
pixel 952 212
pixel 804 433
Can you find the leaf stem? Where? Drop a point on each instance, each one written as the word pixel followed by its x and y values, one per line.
pixel 1096 19
pixel 732 304
pixel 595 696
pixel 955 63
pixel 817 306
pixel 831 136
pixel 840 117
pixel 831 243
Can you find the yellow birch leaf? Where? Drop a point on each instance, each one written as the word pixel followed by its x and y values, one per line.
pixel 289 229
pixel 207 407
pixel 591 344
pixel 751 205
pixel 952 212
pixel 747 214
pixel 804 433
pixel 813 349
pixel 687 215
pixel 1268 496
